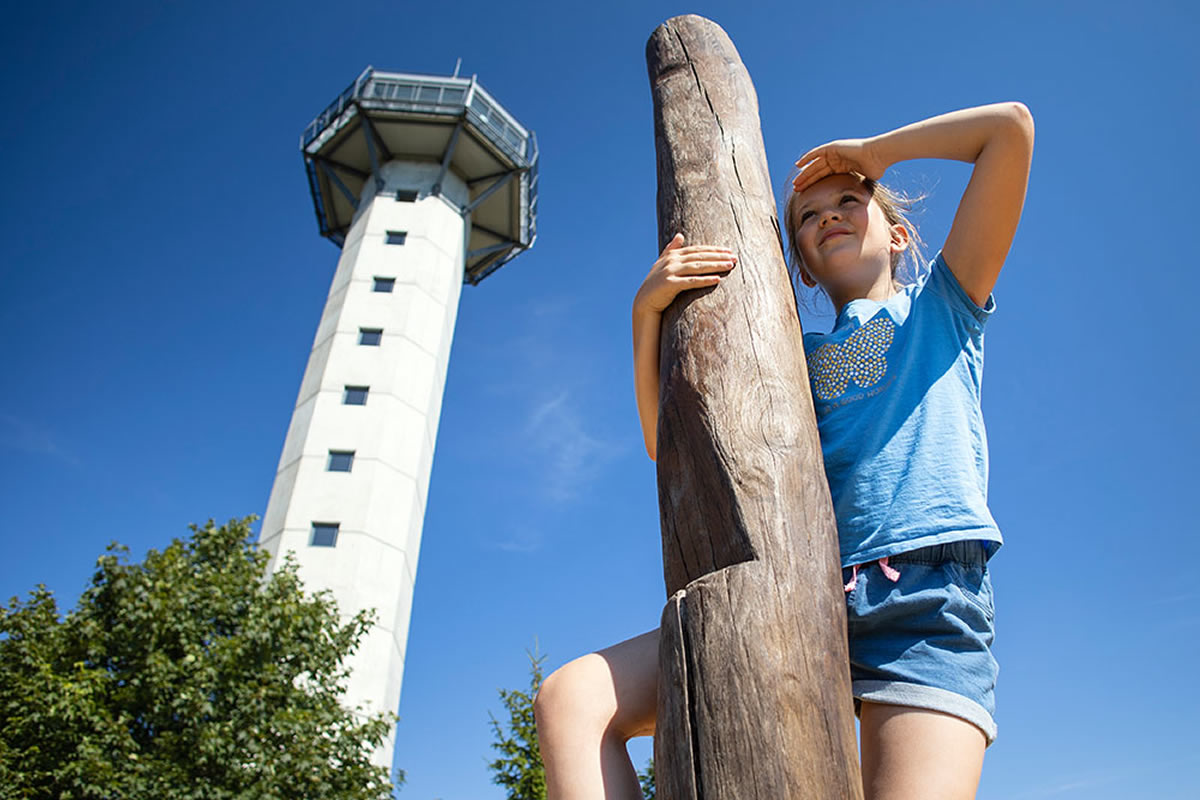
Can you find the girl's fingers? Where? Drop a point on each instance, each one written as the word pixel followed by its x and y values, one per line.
pixel 808 166
pixel 676 243
pixel 816 170
pixel 810 155
pixel 709 255
pixel 702 267
pixel 697 258
pixel 704 248
pixel 714 256
pixel 812 164
pixel 707 262
pixel 803 181
pixel 695 281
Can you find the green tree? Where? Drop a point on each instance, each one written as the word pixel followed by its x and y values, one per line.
pixel 646 779
pixel 519 768
pixel 192 675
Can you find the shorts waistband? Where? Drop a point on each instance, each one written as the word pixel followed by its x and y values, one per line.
pixel 972 552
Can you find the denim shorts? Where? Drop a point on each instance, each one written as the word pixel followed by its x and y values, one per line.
pixel 923 638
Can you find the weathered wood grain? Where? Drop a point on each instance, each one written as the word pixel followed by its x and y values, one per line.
pixel 754 690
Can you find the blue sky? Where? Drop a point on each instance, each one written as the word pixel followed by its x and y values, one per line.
pixel 163 278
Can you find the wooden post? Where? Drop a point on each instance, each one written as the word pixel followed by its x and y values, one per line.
pixel 754 688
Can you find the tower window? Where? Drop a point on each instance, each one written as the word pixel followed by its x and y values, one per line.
pixel 370 336
pixel 324 534
pixel 396 237
pixel 340 461
pixel 384 284
pixel 355 395
pixel 406 196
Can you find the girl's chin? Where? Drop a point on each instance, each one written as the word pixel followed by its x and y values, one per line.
pixel 835 259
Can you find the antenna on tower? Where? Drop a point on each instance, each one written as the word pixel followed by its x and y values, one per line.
pixel 457 66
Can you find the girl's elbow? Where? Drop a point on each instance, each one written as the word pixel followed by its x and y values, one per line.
pixel 1023 118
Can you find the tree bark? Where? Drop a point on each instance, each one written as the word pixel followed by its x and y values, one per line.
pixel 754 688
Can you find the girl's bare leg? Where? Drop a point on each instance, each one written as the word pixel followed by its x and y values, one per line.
pixel 915 754
pixel 587 710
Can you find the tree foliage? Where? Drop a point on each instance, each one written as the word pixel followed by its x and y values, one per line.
pixel 519 767
pixel 191 675
pixel 646 779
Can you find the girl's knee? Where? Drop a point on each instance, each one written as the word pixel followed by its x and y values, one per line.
pixel 578 694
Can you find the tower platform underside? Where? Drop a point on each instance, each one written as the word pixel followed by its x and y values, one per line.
pixel 451 122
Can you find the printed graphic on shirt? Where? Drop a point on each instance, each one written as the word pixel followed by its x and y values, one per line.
pixel 861 358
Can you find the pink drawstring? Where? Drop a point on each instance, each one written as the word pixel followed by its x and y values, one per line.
pixel 849 587
pixel 891 573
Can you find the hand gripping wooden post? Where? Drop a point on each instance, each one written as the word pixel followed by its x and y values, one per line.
pixel 754 689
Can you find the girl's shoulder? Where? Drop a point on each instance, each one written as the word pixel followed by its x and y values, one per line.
pixel 941 282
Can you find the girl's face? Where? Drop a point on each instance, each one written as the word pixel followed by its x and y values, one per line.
pixel 844 238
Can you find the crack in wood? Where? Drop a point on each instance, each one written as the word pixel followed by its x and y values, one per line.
pixel 699 83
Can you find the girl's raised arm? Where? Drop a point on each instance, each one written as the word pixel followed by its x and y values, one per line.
pixel 997 139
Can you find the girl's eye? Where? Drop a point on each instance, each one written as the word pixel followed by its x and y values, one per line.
pixel 849 197
pixel 805 216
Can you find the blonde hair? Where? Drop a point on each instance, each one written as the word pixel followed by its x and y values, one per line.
pixel 907 265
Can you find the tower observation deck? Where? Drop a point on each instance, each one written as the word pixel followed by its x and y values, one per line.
pixel 452 122
pixel 425 183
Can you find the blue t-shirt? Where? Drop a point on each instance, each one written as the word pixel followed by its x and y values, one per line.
pixel 896 387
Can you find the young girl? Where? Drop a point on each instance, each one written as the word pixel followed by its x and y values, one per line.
pixel 896 385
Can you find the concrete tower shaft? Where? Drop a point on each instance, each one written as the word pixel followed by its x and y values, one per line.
pixel 378 506
pixel 403 169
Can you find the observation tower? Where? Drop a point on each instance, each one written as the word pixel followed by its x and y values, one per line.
pixel 424 182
